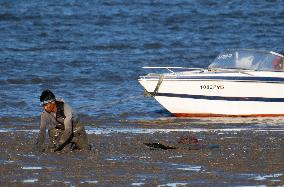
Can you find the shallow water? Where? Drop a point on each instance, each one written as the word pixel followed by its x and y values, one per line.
pixel 90 53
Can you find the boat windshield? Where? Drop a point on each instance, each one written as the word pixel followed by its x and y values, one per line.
pixel 249 60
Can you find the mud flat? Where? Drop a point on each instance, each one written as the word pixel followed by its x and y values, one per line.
pixel 246 157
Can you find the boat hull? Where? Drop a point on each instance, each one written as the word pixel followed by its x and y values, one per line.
pixel 213 96
pixel 203 108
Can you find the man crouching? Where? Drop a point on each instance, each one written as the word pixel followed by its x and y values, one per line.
pixel 62 123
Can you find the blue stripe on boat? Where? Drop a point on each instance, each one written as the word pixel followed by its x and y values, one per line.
pixel 261 99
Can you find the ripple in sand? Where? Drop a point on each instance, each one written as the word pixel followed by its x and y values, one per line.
pixel 265 177
pixel 30 180
pixel 190 168
pixel 137 184
pixel 173 184
pixel 32 167
pixel 89 182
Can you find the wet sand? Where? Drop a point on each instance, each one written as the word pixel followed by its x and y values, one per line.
pixel 245 158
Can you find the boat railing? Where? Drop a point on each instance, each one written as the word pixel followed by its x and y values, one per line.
pixel 171 69
pixel 199 70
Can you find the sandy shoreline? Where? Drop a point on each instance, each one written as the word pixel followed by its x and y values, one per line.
pixel 245 158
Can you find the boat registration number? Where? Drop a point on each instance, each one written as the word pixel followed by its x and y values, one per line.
pixel 211 87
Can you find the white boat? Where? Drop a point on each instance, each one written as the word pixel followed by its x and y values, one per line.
pixel 237 83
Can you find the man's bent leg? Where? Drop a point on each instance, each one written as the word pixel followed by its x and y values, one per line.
pixel 80 138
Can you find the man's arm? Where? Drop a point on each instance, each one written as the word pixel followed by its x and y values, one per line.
pixel 41 136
